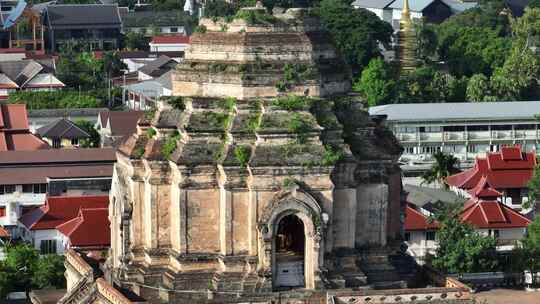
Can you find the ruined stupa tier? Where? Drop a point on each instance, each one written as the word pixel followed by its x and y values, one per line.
pixel 260 55
pixel 240 184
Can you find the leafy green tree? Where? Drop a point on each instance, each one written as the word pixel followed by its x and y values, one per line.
pixel 36 100
pixel 376 84
pixel 534 4
pixel 94 140
pixel 534 189
pixel 444 166
pixel 23 269
pixel 113 64
pixel 357 32
pixel 49 272
pixel 478 88
pixel 427 40
pixel 460 248
pixel 136 41
pixel 527 255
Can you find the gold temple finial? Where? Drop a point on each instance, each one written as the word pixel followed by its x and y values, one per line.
pixel 405 13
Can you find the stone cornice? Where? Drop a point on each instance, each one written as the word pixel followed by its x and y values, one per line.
pixel 110 293
pixel 78 263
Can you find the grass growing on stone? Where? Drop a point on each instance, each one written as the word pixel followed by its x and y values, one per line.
pixel 138 152
pixel 151 132
pixel 299 126
pixel 331 155
pixel 242 154
pixel 292 103
pixel 170 145
pixel 255 17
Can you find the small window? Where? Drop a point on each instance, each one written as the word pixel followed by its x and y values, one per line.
pixel 430 235
pixel 2 211
pixel 174 30
pixel 74 141
pixel 9 189
pixel 56 143
pixel 40 188
pixel 407 236
pixel 471 148
pixel 28 188
pixel 48 247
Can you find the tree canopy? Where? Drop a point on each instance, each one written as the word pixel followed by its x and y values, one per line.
pixel 444 166
pixel 358 33
pixel 460 248
pixel 24 269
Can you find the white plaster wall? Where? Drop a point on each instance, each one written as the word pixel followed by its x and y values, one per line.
pixel 50 234
pixel 418 246
pixel 162 47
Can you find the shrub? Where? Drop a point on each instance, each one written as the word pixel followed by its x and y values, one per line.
pixel 331 155
pixel 300 127
pixel 242 154
pixel 170 145
pixel 151 132
pixel 292 103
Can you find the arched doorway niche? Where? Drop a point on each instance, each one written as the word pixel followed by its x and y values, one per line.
pixel 292 208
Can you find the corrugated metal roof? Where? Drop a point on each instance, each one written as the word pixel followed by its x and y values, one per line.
pixel 414 5
pixel 457 6
pixel 458 111
pixel 372 3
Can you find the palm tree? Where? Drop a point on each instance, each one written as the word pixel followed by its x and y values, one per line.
pixel 444 166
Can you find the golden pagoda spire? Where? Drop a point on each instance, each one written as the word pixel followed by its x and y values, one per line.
pixel 407 43
pixel 405 13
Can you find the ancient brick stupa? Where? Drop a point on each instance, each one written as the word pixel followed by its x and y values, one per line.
pixel 261 174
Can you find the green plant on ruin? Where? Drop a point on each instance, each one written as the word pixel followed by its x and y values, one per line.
pixel 292 103
pixel 177 102
pixel 138 152
pixel 170 145
pixel 228 104
pixel 322 110
pixel 219 120
pixel 242 155
pixel 217 67
pixel 219 153
pixel 332 155
pixel 224 28
pixel 289 182
pixel 254 122
pixel 151 132
pixel 255 17
pixel 299 126
pixel 200 29
pixel 149 114
pixel 294 73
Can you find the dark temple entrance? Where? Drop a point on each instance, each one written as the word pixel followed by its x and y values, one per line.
pixel 290 245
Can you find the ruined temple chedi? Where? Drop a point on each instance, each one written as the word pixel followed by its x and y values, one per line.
pixel 262 173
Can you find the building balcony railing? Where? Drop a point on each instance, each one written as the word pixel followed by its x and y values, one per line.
pixel 23 198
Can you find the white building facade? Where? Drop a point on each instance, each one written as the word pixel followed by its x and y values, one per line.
pixel 465 130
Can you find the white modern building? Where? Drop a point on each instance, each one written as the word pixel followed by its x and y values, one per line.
pixel 466 130
pixel 430 10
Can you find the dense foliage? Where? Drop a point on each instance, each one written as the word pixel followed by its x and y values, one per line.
pixel 67 99
pixel 444 166
pixel 460 248
pixel 357 32
pixel 24 269
pixel 94 140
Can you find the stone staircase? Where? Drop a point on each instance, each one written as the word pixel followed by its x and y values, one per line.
pixel 379 270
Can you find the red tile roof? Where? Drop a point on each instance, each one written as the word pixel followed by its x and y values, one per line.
pixel 509 168
pixel 122 123
pixel 484 190
pixel 91 228
pixel 60 209
pixel 171 39
pixel 3 232
pixel 14 132
pixel 492 214
pixel 415 220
